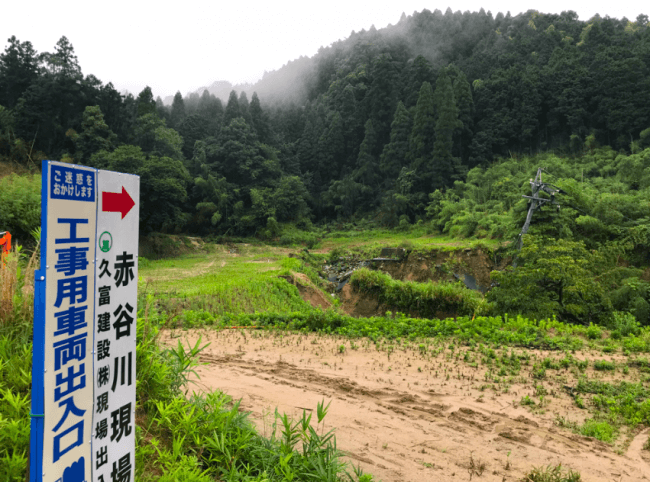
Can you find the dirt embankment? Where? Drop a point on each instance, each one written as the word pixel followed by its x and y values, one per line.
pixel 472 266
pixel 408 416
pixel 157 246
pixel 444 265
pixel 308 291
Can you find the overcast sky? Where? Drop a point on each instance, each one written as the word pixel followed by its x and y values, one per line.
pixel 189 44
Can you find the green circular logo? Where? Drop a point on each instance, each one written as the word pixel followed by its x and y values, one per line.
pixel 105 242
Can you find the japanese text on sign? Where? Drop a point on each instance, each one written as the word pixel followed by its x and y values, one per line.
pixel 83 396
pixel 72 183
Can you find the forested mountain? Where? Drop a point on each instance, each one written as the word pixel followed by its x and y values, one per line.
pixel 368 127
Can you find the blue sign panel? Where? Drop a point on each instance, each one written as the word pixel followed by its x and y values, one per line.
pixel 63 365
pixel 72 183
pixel 85 306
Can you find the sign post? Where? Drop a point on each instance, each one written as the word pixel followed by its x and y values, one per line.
pixel 83 374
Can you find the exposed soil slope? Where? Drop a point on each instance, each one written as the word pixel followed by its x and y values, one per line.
pixel 472 266
pixel 443 265
pixel 404 417
pixel 308 291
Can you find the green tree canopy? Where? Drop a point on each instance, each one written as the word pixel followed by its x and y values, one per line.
pixel 393 157
pixel 178 111
pixel 163 185
pixel 422 133
pixel 145 102
pixel 95 135
pixel 232 109
pixel 444 167
pixel 554 277
pixel 18 70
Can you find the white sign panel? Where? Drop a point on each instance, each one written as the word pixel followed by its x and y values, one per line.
pixel 68 336
pixel 115 327
pixel 83 405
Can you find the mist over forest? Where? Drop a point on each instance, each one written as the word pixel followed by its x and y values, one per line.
pixel 377 126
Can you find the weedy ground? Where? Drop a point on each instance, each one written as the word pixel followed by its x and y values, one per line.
pixel 371 241
pixel 184 438
pixel 588 381
pixel 428 402
pixel 580 381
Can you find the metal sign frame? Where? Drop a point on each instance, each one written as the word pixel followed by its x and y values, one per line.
pixel 71 350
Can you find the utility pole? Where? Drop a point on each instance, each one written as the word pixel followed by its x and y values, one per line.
pixel 537 202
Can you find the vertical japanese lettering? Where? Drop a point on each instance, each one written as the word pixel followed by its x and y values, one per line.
pixel 124 269
pixel 121 422
pixel 71 333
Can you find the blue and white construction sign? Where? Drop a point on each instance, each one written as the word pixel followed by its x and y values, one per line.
pixel 83 375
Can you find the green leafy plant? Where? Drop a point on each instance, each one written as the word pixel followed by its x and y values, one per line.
pixel 527 401
pixel 551 474
pixel 604 365
pixel 601 430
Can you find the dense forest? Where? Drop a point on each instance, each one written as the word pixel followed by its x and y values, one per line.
pixel 367 128
pixel 438 122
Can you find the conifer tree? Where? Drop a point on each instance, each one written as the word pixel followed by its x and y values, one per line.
pixel 162 110
pixel 307 147
pixel 210 108
pixel 95 135
pixel 146 103
pixel 422 133
pixel 381 94
pixel 63 61
pixel 418 71
pixel 465 104
pixel 367 172
pixel 243 108
pixel 178 111
pixel 332 145
pixel 393 157
pixel 444 165
pixel 18 69
pixel 232 109
pixel 259 120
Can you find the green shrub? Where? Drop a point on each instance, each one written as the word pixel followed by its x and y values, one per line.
pixel 553 277
pixel 16 319
pixel 526 401
pixel 429 300
pixel 623 324
pixel 604 365
pixel 551 474
pixel 594 332
pixel 292 236
pixel 20 205
pixel 600 430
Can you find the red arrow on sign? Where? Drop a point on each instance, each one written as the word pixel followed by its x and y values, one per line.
pixel 117 202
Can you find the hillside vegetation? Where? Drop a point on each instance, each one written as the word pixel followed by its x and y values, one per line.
pixel 423 135
pixel 377 122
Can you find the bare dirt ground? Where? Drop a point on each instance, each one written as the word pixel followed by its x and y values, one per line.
pixel 404 416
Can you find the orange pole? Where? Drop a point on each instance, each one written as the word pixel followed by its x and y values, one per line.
pixel 5 244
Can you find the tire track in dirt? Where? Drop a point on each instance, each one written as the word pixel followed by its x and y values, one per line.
pixel 398 424
pixel 635 450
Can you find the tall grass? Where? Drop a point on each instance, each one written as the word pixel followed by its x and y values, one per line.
pixel 417 238
pixel 221 284
pixel 17 287
pixel 179 439
pixel 207 437
pixel 429 300
pixel 16 315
